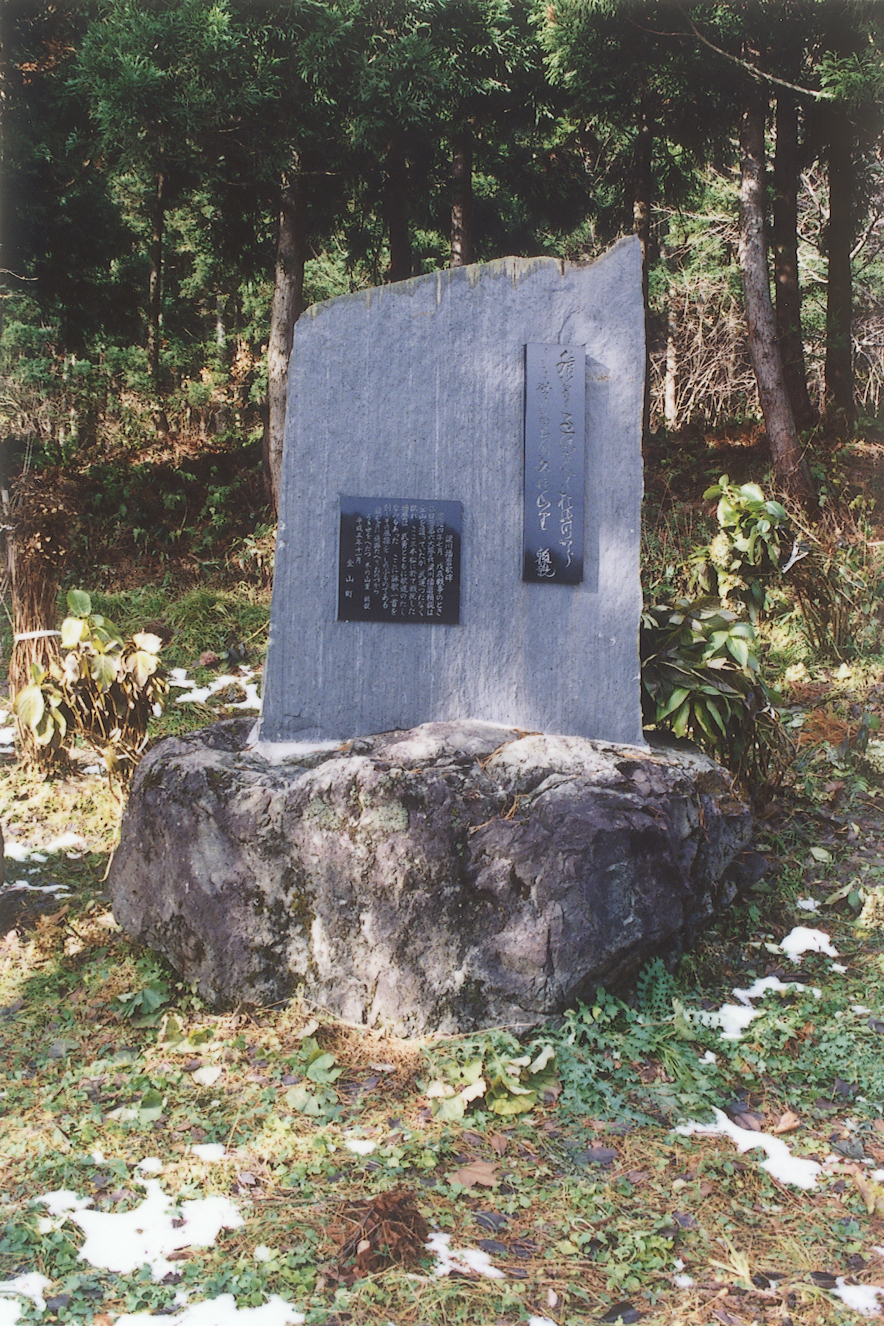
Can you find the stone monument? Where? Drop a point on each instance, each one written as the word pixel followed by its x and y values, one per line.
pixel 449 818
pixel 460 508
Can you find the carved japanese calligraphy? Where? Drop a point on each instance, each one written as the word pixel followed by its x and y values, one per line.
pixel 555 445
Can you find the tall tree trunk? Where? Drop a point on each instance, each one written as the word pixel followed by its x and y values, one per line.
pixel 462 200
pixel 642 190
pixel 670 383
pixel 38 521
pixel 396 211
pixel 789 465
pixel 839 290
pixel 286 307
pixel 785 237
pixel 155 298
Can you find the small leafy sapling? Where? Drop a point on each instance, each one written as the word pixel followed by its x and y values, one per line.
pixel 754 540
pixel 104 689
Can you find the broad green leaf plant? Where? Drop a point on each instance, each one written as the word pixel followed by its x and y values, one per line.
pixel 754 538
pixel 701 679
pixel 700 670
pixel 103 689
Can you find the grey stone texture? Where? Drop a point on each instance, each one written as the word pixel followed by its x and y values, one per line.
pixel 451 877
pixel 416 390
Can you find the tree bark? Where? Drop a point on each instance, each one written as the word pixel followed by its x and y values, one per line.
pixel 789 465
pixel 286 307
pixel 785 237
pixel 841 163
pixel 38 521
pixel 155 298
pixel 462 249
pixel 670 383
pixel 396 211
pixel 641 220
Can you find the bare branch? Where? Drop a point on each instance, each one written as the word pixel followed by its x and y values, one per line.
pixel 866 235
pixel 760 74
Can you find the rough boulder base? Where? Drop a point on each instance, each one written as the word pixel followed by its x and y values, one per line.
pixel 447 878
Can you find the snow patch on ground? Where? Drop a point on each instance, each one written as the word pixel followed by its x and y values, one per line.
pixel 21 852
pixel 360 1146
pixel 780 1163
pixel 200 694
pixel 62 1201
pixel 463 1260
pixel 209 1150
pixel 22 886
pixel 765 983
pixel 125 1241
pixel 733 1019
pixel 222 1311
pixel 802 940
pixel 23 1286
pixel 862 1298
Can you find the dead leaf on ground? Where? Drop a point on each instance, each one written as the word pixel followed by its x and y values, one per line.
pixel 482 1172
pixel 46 922
pixel 786 1123
pixel 869 1189
pixel 748 1120
pixel 498 1143
pixel 390 1231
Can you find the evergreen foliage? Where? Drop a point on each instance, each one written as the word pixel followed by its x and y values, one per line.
pixel 145 149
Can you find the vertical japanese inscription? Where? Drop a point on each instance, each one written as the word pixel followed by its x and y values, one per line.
pixel 555 432
pixel 399 561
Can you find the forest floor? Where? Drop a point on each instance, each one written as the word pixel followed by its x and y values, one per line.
pixel 705 1150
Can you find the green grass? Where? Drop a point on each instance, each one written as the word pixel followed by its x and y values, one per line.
pixel 590 1198
pixel 594 1194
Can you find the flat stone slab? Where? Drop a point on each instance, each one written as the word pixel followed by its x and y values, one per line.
pixel 408 403
pixel 455 876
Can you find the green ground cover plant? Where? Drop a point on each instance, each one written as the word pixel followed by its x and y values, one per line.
pixel 589 1201
pixel 351 1165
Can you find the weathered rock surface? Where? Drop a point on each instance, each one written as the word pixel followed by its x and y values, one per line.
pixel 454 876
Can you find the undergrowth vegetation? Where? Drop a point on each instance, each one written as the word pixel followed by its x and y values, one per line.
pixel 350 1164
pixel 714 610
pixel 589 1201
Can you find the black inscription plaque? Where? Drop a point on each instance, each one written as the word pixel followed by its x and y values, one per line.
pixel 399 560
pixel 555 433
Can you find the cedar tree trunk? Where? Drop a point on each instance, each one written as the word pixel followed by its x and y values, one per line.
pixel 785 237
pixel 462 201
pixel 641 219
pixel 670 384
pixel 285 309
pixel 396 211
pixel 38 522
pixel 789 465
pixel 839 290
pixel 155 297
